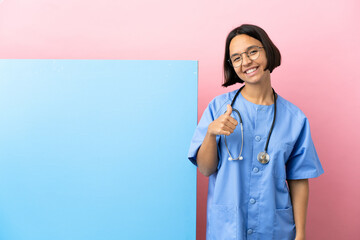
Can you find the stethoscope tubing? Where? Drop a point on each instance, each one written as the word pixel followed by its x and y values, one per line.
pixel 242 139
pixel 263 157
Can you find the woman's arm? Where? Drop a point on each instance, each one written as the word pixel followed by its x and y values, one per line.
pixel 299 192
pixel 207 156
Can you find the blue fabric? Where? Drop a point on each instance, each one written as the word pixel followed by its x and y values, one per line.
pixel 246 199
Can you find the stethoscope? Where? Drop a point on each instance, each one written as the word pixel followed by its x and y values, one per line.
pixel 262 157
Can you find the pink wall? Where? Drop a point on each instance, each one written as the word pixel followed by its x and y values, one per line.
pixel 319 41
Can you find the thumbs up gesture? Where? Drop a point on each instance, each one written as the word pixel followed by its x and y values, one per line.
pixel 228 110
pixel 223 125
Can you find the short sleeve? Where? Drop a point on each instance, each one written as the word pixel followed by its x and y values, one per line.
pixel 200 132
pixel 304 162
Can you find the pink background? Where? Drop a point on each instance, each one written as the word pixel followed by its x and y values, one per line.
pixel 319 42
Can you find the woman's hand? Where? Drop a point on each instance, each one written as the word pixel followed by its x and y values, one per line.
pixel 224 125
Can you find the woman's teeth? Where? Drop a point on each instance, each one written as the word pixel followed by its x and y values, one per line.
pixel 251 70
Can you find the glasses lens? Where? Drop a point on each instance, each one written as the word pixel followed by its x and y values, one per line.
pixel 236 60
pixel 253 53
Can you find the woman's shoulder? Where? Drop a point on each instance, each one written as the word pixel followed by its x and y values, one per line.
pixel 225 97
pixel 219 102
pixel 291 109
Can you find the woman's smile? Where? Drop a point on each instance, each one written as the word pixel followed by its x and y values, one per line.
pixel 251 71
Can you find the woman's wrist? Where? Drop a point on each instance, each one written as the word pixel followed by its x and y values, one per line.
pixel 300 236
pixel 210 134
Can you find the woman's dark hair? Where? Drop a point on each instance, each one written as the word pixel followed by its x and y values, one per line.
pixel 272 52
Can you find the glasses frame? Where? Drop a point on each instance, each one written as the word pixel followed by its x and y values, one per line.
pixel 247 54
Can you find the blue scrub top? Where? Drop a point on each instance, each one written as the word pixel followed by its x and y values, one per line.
pixel 247 199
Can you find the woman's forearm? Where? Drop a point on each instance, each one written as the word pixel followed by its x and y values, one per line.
pixel 207 157
pixel 299 191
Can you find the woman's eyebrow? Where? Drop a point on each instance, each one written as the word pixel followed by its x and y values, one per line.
pixel 235 54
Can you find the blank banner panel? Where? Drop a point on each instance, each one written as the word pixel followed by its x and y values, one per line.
pixel 97 149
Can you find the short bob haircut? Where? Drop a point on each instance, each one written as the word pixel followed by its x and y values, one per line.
pixel 272 52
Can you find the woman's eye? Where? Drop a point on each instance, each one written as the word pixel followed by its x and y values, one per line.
pixel 253 52
pixel 237 59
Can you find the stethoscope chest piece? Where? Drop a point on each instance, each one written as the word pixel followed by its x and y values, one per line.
pixel 263 157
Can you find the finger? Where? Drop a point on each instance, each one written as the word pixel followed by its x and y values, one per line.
pixel 222 132
pixel 228 110
pixel 230 125
pixel 232 120
pixel 227 129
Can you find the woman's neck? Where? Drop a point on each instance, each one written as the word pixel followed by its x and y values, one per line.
pixel 261 94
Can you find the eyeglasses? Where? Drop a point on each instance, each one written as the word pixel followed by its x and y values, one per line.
pixel 252 53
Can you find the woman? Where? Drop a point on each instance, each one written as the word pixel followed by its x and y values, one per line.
pixel 258 172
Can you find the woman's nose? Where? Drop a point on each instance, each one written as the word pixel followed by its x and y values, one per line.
pixel 246 60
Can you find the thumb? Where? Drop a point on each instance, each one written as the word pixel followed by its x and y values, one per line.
pixel 228 110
